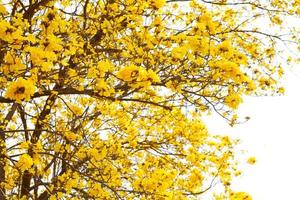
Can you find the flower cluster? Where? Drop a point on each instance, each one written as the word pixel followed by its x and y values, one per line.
pixel 25 162
pixel 21 89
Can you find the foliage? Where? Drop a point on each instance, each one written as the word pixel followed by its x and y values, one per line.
pixel 101 99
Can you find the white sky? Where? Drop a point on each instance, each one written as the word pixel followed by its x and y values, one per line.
pixel 272 135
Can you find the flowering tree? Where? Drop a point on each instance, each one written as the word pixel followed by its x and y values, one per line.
pixel 101 99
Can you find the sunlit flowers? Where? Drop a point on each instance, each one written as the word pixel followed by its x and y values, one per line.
pixel 129 73
pixel 138 74
pixel 21 89
pixel 104 99
pixel 233 100
pixel 25 162
pixel 240 196
pixel 158 3
pixel 251 160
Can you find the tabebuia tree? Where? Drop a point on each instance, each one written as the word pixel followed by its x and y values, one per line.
pixel 102 99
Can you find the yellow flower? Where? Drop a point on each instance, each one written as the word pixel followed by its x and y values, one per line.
pixel 251 160
pixel 179 52
pixel 24 145
pixel 2 10
pixel 12 64
pixel 131 73
pixel 71 136
pixel 240 196
pixel 25 162
pixel 233 100
pixel 281 90
pixel 224 47
pixel 20 89
pixel 158 3
pixel 153 76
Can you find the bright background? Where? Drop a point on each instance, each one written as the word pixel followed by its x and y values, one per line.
pixel 271 135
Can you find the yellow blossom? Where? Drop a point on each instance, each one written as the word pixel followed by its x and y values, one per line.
pixel 129 73
pixel 25 162
pixel 2 9
pixel 233 100
pixel 21 89
pixel 115 91
pixel 251 160
pixel 158 3
pixel 240 196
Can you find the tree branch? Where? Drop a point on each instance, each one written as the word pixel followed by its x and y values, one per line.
pixel 3 148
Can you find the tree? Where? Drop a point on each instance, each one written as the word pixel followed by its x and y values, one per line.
pixel 102 99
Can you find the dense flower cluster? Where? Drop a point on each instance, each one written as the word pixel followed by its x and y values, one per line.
pixel 102 99
pixel 25 162
pixel 21 89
